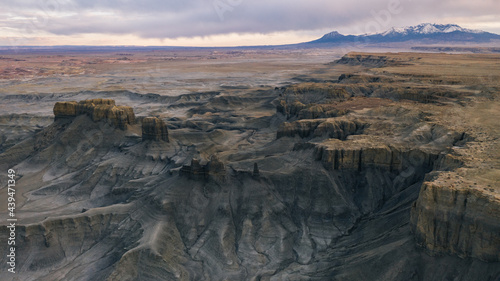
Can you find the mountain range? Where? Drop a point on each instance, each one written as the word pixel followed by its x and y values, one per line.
pixel 423 34
pixel 426 33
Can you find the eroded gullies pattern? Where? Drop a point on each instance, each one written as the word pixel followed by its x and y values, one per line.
pixel 366 176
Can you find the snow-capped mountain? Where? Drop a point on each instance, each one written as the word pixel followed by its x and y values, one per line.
pixel 425 32
pixel 428 28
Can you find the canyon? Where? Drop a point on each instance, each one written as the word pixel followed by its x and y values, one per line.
pixel 360 166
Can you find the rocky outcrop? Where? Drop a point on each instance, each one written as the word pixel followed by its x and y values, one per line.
pixel 454 216
pixel 353 155
pixel 255 172
pixel 51 242
pixel 196 170
pixel 368 60
pixel 215 166
pixel 154 128
pixel 65 109
pixel 291 109
pixel 97 110
pixel 330 128
pixel 312 111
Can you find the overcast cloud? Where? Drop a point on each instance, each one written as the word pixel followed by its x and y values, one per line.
pixel 169 19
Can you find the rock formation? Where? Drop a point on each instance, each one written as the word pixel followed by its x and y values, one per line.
pixel 195 170
pixel 65 109
pixel 154 128
pixel 255 172
pixel 214 167
pixel 97 110
pixel 454 216
pixel 331 128
pixel 370 60
pixel 312 111
pixel 336 200
pixel 359 154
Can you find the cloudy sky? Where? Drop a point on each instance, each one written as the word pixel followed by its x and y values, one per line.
pixel 224 22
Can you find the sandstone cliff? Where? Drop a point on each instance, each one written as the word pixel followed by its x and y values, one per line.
pixel 154 128
pixel 196 170
pixel 331 128
pixel 369 60
pixel 97 110
pixel 362 153
pixel 455 216
pixel 65 109
pixel 299 110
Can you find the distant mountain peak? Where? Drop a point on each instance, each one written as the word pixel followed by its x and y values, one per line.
pixel 429 28
pixel 333 34
pixel 426 32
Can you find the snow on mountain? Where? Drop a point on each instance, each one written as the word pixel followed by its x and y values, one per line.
pixel 333 34
pixel 427 32
pixel 428 28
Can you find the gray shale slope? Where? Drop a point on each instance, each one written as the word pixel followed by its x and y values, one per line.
pixel 247 189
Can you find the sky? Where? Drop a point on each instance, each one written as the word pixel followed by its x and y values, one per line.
pixel 224 22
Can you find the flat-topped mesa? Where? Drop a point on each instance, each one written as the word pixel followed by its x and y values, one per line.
pixel 66 109
pixel 154 128
pixel 369 60
pixel 97 110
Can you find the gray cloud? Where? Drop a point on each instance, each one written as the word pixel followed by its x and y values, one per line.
pixel 177 18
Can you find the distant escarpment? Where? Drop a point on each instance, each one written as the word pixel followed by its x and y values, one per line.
pixel 369 60
pixel 455 216
pixel 331 128
pixel 154 128
pixel 353 92
pixel 311 100
pixel 97 110
pixel 358 155
pixel 299 110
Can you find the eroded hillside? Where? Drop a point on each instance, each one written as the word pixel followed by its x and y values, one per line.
pixel 388 170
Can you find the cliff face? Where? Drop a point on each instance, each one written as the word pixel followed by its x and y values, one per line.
pixel 455 217
pixel 65 109
pixel 352 155
pixel 154 129
pixel 196 170
pixel 330 128
pixel 327 198
pixel 368 60
pixel 97 110
pixel 299 110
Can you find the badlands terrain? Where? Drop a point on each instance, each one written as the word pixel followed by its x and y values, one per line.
pixel 251 165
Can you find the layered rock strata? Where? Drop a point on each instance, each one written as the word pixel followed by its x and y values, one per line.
pixel 154 128
pixel 369 60
pixel 196 170
pixel 97 110
pixel 455 216
pixel 331 128
pixel 358 155
pixel 299 110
